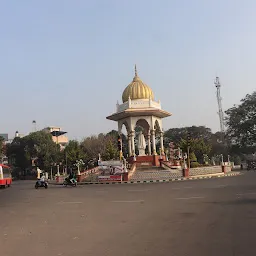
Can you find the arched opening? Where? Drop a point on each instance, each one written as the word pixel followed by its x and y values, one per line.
pixel 141 137
pixel 158 137
pixel 124 135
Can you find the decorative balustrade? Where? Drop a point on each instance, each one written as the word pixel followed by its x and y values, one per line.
pixel 143 103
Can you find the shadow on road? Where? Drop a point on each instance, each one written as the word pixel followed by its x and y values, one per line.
pixel 239 201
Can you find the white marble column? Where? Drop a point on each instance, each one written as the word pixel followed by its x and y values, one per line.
pixel 132 143
pixel 149 145
pixel 153 133
pixel 162 143
pixel 129 144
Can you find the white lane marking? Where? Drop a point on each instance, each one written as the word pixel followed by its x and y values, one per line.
pixel 139 190
pixel 244 194
pixel 135 201
pixel 70 202
pixel 187 198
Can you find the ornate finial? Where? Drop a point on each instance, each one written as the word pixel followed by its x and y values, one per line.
pixel 136 73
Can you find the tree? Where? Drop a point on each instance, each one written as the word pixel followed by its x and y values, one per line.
pixel 72 152
pixel 114 135
pixel 1 146
pixel 177 134
pixel 241 124
pixel 17 155
pixel 111 151
pixel 39 146
pixel 218 146
pixel 197 146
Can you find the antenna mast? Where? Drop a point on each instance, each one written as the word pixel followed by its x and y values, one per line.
pixel 219 100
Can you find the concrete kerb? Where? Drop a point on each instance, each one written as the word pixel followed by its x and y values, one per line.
pixel 155 181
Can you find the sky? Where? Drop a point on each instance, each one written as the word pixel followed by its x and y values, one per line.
pixel 66 62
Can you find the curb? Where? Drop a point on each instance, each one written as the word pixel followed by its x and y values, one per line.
pixel 153 181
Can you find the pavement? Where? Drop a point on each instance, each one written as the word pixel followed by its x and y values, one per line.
pixel 201 217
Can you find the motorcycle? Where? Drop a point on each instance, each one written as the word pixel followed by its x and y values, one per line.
pixel 68 182
pixel 41 184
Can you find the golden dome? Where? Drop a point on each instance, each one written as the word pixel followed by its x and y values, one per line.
pixel 137 90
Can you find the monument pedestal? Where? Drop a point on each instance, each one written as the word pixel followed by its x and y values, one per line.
pixel 150 160
pixel 142 152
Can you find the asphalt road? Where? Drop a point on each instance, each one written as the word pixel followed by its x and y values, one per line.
pixel 204 217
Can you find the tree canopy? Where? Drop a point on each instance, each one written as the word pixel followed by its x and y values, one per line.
pixel 241 125
pixel 37 147
pixel 1 146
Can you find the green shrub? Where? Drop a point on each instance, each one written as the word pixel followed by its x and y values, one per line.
pixel 194 164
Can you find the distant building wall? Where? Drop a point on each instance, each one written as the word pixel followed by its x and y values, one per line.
pixel 62 140
pixel 4 136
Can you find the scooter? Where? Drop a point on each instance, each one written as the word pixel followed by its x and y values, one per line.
pixel 41 184
pixel 68 182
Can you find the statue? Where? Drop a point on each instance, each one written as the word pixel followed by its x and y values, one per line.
pixel 141 144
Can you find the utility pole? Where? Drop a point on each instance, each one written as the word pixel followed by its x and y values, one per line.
pixel 220 111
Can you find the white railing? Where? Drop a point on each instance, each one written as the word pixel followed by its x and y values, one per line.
pixel 143 103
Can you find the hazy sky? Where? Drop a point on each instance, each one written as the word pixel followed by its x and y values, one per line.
pixel 66 62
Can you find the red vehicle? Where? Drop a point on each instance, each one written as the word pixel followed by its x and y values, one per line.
pixel 5 176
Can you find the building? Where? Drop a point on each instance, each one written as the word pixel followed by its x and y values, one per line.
pixel 140 109
pixel 4 136
pixel 58 136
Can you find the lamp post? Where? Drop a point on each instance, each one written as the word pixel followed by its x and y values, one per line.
pixel 185 162
pixel 188 149
pixel 78 164
pixel 58 170
pixel 51 172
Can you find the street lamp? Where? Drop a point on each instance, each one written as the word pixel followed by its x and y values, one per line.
pixel 51 172
pixel 58 170
pixel 78 164
pixel 185 162
pixel 222 160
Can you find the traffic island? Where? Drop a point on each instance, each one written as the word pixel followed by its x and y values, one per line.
pixel 199 177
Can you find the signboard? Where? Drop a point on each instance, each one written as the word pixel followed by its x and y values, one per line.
pixel 110 178
pixel 110 163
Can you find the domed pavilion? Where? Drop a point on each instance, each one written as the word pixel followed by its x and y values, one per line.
pixel 139 108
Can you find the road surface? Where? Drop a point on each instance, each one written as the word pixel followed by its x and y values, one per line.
pixel 204 217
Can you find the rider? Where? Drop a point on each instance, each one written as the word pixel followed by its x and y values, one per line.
pixel 42 179
pixel 72 177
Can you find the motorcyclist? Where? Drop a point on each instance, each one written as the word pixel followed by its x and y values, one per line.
pixel 42 179
pixel 71 178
